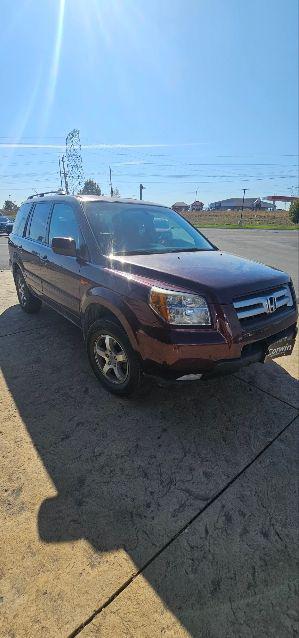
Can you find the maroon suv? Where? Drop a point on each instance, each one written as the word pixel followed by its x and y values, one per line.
pixel 151 294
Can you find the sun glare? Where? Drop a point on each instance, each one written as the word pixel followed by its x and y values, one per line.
pixel 54 70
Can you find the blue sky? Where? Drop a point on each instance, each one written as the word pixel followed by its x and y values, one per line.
pixel 177 94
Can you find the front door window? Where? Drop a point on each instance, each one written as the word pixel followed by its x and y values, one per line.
pixel 63 223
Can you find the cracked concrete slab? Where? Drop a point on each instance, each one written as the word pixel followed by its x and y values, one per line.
pixel 94 486
pixel 232 573
pixel 279 377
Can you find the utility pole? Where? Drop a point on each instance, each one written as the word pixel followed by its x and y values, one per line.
pixel 60 174
pixel 141 188
pixel 244 191
pixel 110 182
pixel 66 186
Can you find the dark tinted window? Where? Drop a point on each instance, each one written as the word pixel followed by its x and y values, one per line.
pixel 63 223
pixel 21 218
pixel 132 228
pixel 38 224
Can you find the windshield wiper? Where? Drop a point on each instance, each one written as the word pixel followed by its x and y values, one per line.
pixel 135 252
pixel 188 250
pixel 159 252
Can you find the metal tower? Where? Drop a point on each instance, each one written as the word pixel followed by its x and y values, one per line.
pixel 74 162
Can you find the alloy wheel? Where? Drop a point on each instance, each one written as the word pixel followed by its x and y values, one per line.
pixel 22 290
pixel 111 359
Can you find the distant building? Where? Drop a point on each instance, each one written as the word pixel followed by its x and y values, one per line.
pixel 196 205
pixel 235 203
pixel 281 198
pixel 180 206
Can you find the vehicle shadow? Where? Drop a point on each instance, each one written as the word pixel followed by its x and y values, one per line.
pixel 129 474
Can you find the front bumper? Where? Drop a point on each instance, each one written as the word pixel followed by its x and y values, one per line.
pixel 211 352
pixel 253 353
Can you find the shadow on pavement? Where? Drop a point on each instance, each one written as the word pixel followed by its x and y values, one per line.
pixel 128 474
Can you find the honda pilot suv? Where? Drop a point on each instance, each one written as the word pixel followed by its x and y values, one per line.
pixel 151 294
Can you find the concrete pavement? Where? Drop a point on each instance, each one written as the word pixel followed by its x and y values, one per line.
pixel 174 514
pixel 3 252
pixel 230 573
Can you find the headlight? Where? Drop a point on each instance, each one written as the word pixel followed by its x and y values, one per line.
pixel 180 308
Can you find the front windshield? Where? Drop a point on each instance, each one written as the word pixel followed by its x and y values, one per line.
pixel 126 229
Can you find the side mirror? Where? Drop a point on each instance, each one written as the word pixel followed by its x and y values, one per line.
pixel 64 246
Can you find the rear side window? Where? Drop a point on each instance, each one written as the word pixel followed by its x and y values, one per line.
pixel 21 218
pixel 38 224
pixel 63 223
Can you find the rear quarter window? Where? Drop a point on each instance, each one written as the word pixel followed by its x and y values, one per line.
pixel 39 220
pixel 21 218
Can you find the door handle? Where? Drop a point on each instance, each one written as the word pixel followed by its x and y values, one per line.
pixel 44 258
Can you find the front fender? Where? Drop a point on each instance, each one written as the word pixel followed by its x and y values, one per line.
pixel 114 303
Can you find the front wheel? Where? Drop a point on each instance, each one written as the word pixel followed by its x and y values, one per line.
pixel 28 302
pixel 113 359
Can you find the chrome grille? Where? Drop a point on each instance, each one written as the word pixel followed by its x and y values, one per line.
pixel 264 304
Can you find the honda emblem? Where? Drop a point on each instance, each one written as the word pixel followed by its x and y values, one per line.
pixel 271 304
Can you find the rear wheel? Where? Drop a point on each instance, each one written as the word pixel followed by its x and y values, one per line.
pixel 28 302
pixel 113 359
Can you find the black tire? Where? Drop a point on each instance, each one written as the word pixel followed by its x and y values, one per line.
pixel 130 370
pixel 28 302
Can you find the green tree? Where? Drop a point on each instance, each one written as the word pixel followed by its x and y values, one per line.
pixel 10 207
pixel 90 188
pixel 116 192
pixel 294 211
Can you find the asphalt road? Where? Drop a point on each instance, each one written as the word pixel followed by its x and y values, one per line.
pixel 277 248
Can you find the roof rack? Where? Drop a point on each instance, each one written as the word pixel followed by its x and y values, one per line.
pixel 59 192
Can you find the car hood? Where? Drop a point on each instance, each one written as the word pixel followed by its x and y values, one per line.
pixel 221 275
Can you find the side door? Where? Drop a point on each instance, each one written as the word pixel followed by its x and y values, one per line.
pixel 61 274
pixel 33 244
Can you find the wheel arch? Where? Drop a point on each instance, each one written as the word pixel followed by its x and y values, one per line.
pixel 98 307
